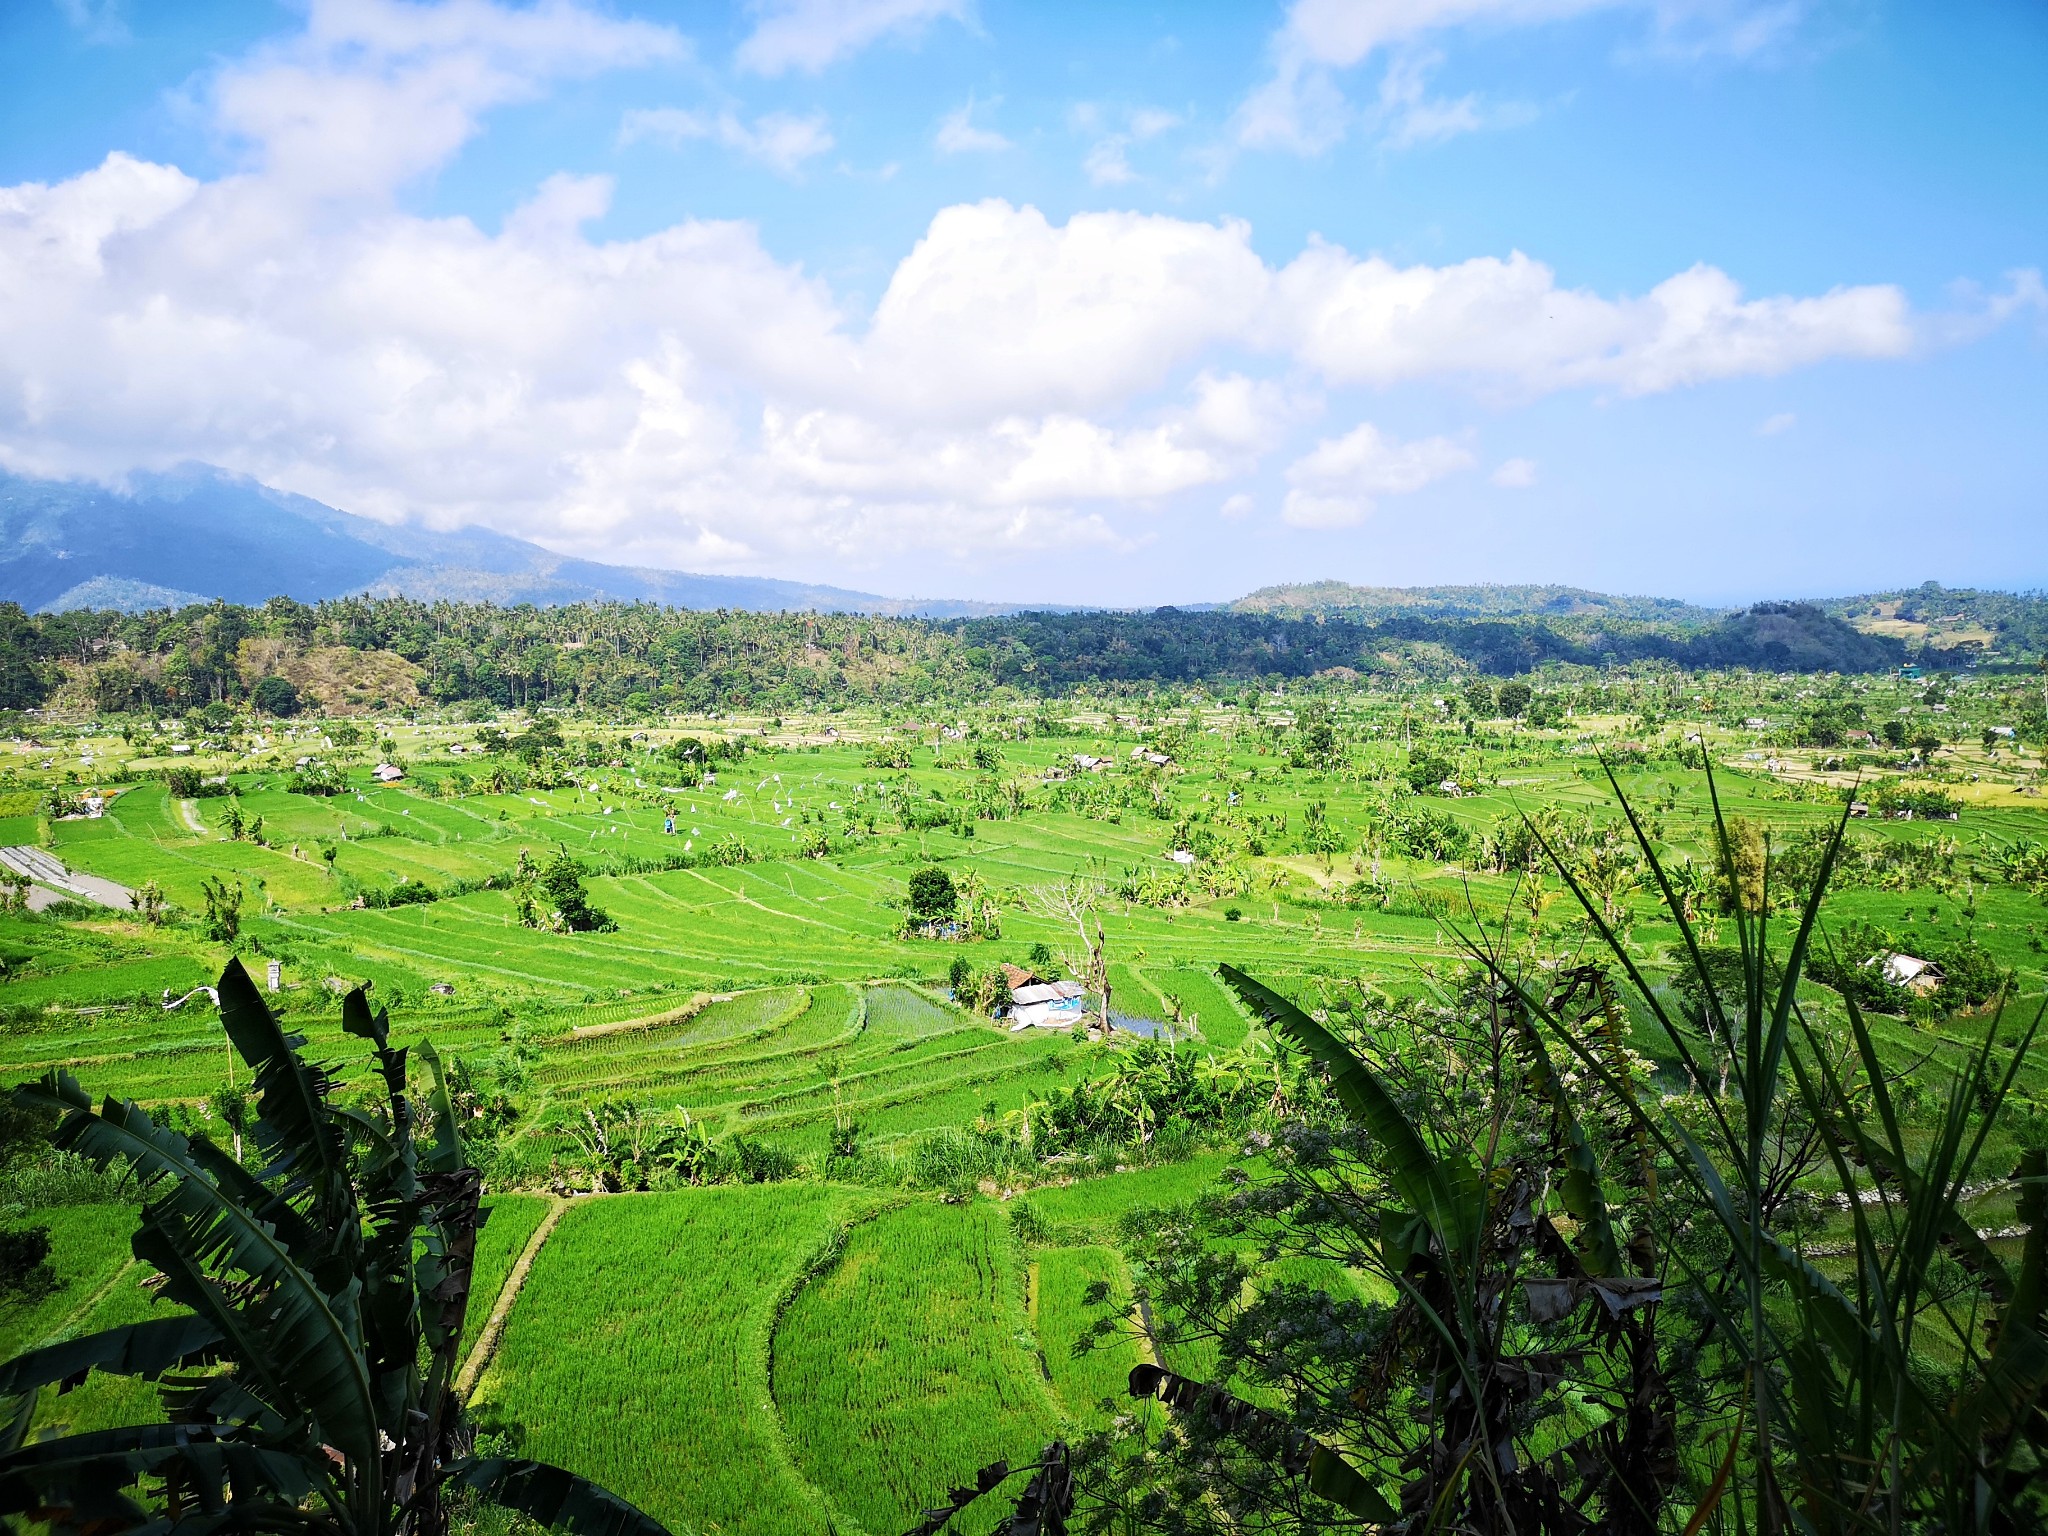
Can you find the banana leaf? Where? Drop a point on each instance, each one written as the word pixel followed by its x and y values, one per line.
pixel 1330 1476
pixel 194 1224
pixel 1445 1191
pixel 557 1499
pixel 144 1349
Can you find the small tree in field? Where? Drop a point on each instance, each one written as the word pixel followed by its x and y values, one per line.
pixel 561 885
pixel 932 896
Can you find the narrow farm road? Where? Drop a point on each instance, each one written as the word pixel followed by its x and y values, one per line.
pixel 494 1327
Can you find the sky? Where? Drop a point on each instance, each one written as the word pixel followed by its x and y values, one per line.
pixel 1121 304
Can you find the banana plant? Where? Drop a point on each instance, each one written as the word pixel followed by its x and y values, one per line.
pixel 1458 1239
pixel 312 1310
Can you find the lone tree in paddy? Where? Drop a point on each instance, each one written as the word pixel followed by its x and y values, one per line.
pixel 932 896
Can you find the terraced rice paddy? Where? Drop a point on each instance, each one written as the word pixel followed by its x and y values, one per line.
pixel 638 1351
pixel 507 1229
pixel 1061 1317
pixel 800 1356
pixel 909 1361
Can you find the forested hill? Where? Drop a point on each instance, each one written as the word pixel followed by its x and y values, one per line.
pixel 1944 618
pixel 1067 648
pixel 1309 599
pixel 376 653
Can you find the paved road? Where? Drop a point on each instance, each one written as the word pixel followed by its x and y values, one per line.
pixel 55 883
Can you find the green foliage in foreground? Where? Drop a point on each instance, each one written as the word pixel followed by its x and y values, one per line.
pixel 1609 1314
pixel 308 1360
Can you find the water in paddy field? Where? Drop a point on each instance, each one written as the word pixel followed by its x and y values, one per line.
pixel 1132 1024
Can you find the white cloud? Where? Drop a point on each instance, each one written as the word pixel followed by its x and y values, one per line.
pixel 1107 163
pixel 776 139
pixel 959 135
pixel 1369 322
pixel 1515 474
pixel 1407 115
pixel 1338 483
pixel 996 306
pixel 1771 426
pixel 1237 508
pixel 808 35
pixel 687 397
pixel 1301 107
pixel 374 92
pixel 98 21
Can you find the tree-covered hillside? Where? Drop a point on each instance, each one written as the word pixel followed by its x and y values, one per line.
pixel 1299 599
pixel 389 652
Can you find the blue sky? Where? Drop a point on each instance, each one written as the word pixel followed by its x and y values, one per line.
pixel 1117 304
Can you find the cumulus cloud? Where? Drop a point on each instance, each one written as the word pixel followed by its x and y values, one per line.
pixel 688 397
pixel 997 306
pixel 808 35
pixel 1515 474
pixel 1366 321
pixel 374 92
pixel 779 140
pixel 1339 482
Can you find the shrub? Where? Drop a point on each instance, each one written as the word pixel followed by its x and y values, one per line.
pixel 316 779
pixel 188 783
pixel 25 1262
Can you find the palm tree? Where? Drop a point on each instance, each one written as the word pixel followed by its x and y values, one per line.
pixel 307 1375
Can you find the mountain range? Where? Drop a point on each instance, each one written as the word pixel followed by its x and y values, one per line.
pixel 195 533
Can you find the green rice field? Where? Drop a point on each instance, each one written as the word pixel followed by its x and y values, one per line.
pixel 877 1303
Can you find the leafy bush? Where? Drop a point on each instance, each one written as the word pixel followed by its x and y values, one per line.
pixel 1423 833
pixel 188 783
pixel 1922 804
pixel 275 695
pixel 317 779
pixel 25 1262
pixel 1425 772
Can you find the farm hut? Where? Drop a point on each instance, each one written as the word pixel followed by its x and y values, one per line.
pixel 1181 856
pixel 1016 977
pixel 387 773
pixel 1920 977
pixel 1052 1005
pixel 1859 808
pixel 1088 764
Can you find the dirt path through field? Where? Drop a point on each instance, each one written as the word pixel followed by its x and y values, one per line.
pixel 494 1327
pixel 76 1317
pixel 190 811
